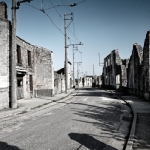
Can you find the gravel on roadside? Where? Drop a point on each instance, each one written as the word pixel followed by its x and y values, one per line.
pixel 142 132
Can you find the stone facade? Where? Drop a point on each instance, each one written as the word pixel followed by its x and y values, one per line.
pixel 34 66
pixel 24 70
pixel 59 79
pixel 70 75
pixel 59 82
pixel 145 71
pixel 133 73
pixel 134 69
pixel 43 72
pixel 88 80
pixel 114 71
pixel 4 58
pixel 139 69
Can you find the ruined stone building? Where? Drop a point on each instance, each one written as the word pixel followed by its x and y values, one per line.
pixel 134 69
pixel 43 72
pixel 139 69
pixel 145 73
pixel 133 73
pixel 114 71
pixel 34 66
pixel 59 81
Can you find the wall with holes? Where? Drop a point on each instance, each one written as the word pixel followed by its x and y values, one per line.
pixel 115 71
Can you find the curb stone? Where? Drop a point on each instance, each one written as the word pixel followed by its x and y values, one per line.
pixel 129 144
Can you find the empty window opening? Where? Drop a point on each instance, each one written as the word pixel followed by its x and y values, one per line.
pixel 29 58
pixel 19 62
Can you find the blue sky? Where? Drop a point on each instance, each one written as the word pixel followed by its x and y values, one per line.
pixel 101 25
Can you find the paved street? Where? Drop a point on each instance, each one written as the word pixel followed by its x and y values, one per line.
pixel 88 119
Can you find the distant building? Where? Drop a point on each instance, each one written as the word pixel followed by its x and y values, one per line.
pixel 59 79
pixel 88 80
pixel 114 71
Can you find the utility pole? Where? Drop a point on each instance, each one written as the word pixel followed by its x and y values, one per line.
pixel 75 48
pixel 78 69
pixel 93 71
pixel 66 53
pixel 13 101
pixel 13 86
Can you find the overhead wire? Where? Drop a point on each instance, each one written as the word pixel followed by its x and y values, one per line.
pixel 42 10
pixel 62 19
pixel 81 2
pixel 73 33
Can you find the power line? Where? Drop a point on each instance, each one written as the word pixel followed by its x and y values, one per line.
pixel 81 1
pixel 68 6
pixel 62 19
pixel 73 33
pixel 73 22
pixel 42 10
pixel 56 9
pixel 65 4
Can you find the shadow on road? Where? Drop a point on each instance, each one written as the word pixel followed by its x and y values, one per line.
pixel 5 146
pixel 101 114
pixel 95 92
pixel 88 141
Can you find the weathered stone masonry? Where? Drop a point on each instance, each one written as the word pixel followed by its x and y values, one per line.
pixel 145 73
pixel 44 73
pixel 114 71
pixel 134 69
pixel 133 73
pixel 4 57
pixel 34 66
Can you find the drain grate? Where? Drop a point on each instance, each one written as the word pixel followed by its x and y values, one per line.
pixel 125 118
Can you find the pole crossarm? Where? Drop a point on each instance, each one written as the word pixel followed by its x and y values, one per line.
pixel 75 49
pixel 77 62
pixel 76 44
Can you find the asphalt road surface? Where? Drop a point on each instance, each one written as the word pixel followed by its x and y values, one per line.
pixel 89 119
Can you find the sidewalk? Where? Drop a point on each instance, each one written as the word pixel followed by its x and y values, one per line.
pixel 36 102
pixel 141 123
